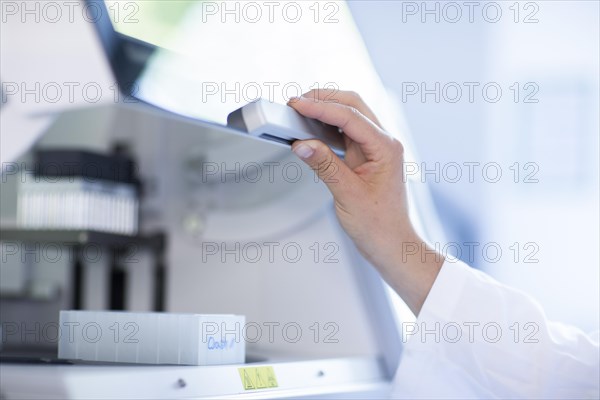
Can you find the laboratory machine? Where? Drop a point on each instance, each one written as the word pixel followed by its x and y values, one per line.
pixel 210 220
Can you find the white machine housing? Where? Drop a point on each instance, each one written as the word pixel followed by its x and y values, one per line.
pixel 216 194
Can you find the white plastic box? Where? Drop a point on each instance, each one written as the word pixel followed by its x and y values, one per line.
pixel 152 338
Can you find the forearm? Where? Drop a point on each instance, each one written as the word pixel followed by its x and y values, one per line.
pixel 412 271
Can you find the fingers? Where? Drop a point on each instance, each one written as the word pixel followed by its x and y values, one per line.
pixel 354 124
pixel 348 98
pixel 338 177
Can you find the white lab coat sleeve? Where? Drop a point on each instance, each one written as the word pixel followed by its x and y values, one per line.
pixel 477 338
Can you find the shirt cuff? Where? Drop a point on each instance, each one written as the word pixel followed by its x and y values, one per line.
pixel 446 292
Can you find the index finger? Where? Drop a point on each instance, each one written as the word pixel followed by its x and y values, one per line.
pixel 348 98
pixel 354 124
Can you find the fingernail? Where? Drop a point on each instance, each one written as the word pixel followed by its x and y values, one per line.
pixel 303 151
pixel 295 99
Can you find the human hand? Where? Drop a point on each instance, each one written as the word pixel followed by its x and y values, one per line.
pixel 369 190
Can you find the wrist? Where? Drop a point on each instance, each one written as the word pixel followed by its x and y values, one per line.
pixel 412 271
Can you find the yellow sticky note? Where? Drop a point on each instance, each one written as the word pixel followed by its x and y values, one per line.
pixel 258 378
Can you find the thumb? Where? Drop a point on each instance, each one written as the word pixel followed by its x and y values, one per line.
pixel 338 177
